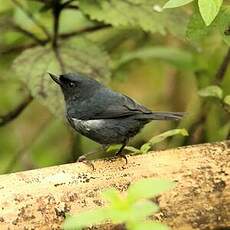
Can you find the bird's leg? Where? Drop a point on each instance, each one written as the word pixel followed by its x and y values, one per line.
pixel 119 153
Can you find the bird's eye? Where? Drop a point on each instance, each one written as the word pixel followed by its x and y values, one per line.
pixel 71 84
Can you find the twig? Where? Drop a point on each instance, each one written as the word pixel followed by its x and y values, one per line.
pixel 223 68
pixel 18 48
pixel 84 30
pixel 62 36
pixel 29 34
pixel 31 16
pixel 5 119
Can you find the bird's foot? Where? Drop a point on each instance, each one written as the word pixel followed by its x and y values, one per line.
pixel 122 155
pixel 85 161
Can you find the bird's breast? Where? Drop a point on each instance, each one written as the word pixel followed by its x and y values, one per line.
pixel 85 126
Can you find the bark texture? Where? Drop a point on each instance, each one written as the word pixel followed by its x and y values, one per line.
pixel 39 199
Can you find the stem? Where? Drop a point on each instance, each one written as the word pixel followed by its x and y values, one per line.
pixel 223 68
pixel 56 15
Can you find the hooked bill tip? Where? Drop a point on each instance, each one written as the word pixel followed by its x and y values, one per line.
pixel 55 78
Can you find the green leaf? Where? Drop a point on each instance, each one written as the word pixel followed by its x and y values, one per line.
pixel 167 134
pixel 138 211
pixel 124 13
pixel 145 147
pixel 132 149
pixel 143 209
pixel 227 100
pixel 85 219
pixel 211 91
pixel 148 188
pixel 223 23
pixel 175 17
pixel 25 22
pixel 78 55
pixel 113 148
pixel 178 57
pixel 112 196
pixel 148 225
pixel 196 29
pixel 176 3
pixel 209 9
pixel 139 14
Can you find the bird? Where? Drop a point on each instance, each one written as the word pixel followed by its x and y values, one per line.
pixel 103 115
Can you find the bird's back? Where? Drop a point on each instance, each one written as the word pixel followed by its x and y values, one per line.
pixel 106 104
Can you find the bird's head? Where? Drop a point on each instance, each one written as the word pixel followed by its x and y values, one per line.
pixel 75 85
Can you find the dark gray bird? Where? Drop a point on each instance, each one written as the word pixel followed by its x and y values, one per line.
pixel 103 115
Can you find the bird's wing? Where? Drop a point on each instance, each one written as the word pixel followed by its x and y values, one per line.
pixel 112 105
pixel 124 107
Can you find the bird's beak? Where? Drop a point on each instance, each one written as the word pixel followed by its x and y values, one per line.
pixel 55 78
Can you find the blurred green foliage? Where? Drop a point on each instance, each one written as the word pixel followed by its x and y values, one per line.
pixel 132 210
pixel 160 57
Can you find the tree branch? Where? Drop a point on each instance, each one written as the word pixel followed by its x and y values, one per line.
pixel 62 36
pixel 5 119
pixel 39 199
pixel 31 16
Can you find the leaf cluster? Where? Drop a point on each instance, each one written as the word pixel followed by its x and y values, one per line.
pixel 131 209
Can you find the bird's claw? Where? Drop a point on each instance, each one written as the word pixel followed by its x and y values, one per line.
pixel 122 155
pixel 85 161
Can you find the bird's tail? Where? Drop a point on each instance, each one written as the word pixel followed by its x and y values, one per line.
pixel 166 115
